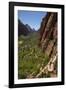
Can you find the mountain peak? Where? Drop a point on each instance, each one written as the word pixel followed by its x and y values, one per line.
pixel 29 28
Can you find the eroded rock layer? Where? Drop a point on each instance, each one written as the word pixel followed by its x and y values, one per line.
pixel 48 34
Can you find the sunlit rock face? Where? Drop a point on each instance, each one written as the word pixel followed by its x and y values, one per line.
pixel 48 34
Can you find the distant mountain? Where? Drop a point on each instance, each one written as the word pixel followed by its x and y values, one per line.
pixel 33 30
pixel 29 28
pixel 22 29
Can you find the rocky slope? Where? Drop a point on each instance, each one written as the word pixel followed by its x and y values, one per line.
pixel 24 29
pixel 48 34
pixel 48 42
pixel 29 28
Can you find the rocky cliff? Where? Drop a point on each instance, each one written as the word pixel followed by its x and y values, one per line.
pixel 22 29
pixel 48 41
pixel 48 34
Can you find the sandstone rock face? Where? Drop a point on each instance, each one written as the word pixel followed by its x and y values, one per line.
pixel 48 34
pixel 48 43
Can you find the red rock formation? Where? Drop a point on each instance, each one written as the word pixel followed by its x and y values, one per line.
pixel 48 34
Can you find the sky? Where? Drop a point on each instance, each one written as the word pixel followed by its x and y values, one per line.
pixel 32 18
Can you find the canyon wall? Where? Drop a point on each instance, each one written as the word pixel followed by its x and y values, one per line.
pixel 48 34
pixel 48 44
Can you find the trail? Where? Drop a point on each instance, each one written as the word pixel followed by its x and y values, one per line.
pixel 46 69
pixel 47 66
